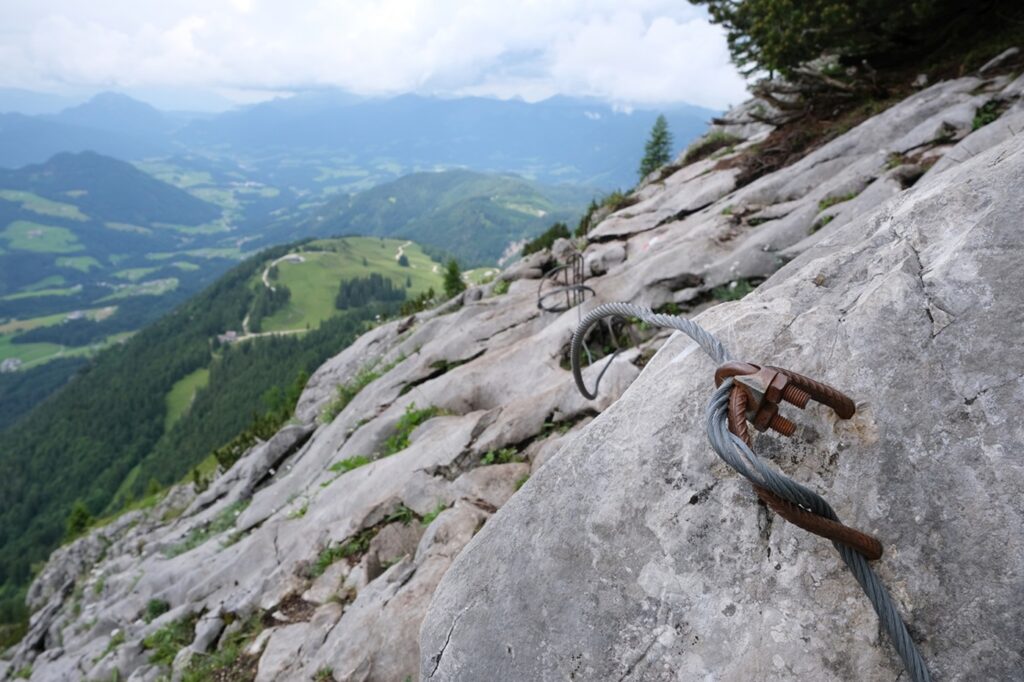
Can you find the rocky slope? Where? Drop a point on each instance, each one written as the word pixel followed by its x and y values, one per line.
pixel 630 553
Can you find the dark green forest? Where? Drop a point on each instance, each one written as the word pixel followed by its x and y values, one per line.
pixel 108 425
pixel 358 292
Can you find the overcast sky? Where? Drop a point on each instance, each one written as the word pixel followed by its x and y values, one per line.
pixel 624 51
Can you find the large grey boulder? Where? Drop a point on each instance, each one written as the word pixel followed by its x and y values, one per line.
pixel 636 555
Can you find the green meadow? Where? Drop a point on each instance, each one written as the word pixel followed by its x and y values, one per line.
pixel 37 204
pixel 29 236
pixel 325 263
pixel 81 263
pixel 179 398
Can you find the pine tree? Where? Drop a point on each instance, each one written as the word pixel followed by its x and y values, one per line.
pixel 79 520
pixel 658 150
pixel 453 283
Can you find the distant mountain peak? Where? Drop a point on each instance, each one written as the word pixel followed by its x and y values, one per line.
pixel 116 112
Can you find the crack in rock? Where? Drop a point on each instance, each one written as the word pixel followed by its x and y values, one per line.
pixel 447 640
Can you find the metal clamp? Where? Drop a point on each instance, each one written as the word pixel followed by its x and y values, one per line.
pixel 755 396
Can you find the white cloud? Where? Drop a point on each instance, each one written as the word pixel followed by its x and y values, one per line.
pixel 644 51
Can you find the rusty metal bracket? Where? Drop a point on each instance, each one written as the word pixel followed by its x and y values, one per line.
pixel 755 396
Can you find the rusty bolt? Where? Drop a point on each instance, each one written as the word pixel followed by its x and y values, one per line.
pixel 794 395
pixel 782 425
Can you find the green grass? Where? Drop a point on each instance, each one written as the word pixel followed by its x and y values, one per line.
pixel 502 456
pixel 154 609
pixel 34 354
pixel 28 236
pixel 36 293
pixel 16 326
pixel 407 423
pixel 429 517
pixel 81 263
pixel 987 113
pixel 733 291
pixel 166 642
pixel 37 204
pixel 229 661
pixel 179 398
pixel 314 282
pixel 346 465
pixel 185 266
pixel 223 521
pixel 832 201
pixel 29 353
pixel 353 546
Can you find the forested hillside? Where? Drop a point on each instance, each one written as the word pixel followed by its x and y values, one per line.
pixel 473 216
pixel 110 436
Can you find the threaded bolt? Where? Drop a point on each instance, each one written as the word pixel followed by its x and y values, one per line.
pixel 782 425
pixel 795 395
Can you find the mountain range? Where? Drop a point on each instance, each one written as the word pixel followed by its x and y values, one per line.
pixel 560 139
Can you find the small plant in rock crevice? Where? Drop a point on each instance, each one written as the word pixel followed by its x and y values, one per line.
pixel 348 464
pixel 407 423
pixel 502 456
pixel 166 642
pixel 832 201
pixel 429 517
pixel 352 547
pixel 988 113
pixel 154 609
pixel 733 291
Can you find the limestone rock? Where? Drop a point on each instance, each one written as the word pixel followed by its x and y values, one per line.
pixel 636 555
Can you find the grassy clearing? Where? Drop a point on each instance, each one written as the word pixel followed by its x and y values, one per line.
pixel 37 204
pixel 80 263
pixel 128 227
pixel 234 253
pixel 179 398
pixel 134 274
pixel 25 235
pixel 16 326
pixel 156 287
pixel 29 353
pixel 34 354
pixel 35 293
pixel 314 281
pixel 185 266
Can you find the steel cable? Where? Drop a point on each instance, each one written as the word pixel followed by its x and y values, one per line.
pixel 738 455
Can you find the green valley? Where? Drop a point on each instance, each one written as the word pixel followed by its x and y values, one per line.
pixel 189 385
